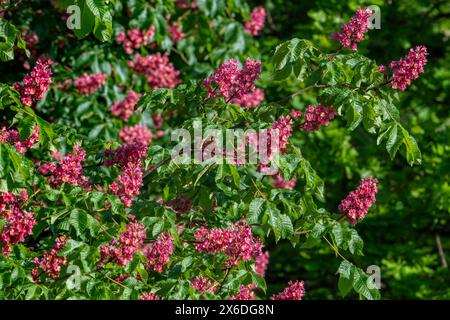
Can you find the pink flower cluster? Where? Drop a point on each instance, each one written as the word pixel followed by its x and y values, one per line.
pixel 137 133
pixel 149 296
pixel 135 38
pixel 232 82
pixel 128 153
pixel 203 284
pixel 237 242
pixel 31 40
pixel 250 100
pixel 17 222
pixel 67 170
pixel 408 68
pixel 176 34
pixel 158 70
pixel 13 136
pixel 294 291
pixel 261 263
pixel 89 83
pixel 125 108
pixel 50 263
pixel 121 251
pixel 316 116
pixel 128 184
pixel 35 84
pixel 358 202
pixel 245 293
pixel 283 125
pixel 353 31
pixel 279 182
pixel 158 253
pixel 256 23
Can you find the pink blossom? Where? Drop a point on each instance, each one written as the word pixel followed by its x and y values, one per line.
pixel 51 263
pixel 158 70
pixel 186 4
pixel 408 68
pixel 294 291
pixel 245 293
pixel 279 182
pixel 137 133
pixel 13 136
pixel 251 99
pixel 358 202
pixel 68 170
pixel 135 38
pixel 35 84
pixel 261 263
pixel 316 116
pixel 158 253
pixel 128 184
pixel 232 82
pixel 133 152
pixel 122 250
pixel 283 125
pixel 203 284
pixel 89 83
pixel 17 222
pixel 31 39
pixel 353 31
pixel 382 68
pixel 295 113
pixel 257 19
pixel 125 108
pixel 149 296
pixel 237 242
pixel 176 34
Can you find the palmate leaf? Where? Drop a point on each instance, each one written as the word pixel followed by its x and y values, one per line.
pixel 353 277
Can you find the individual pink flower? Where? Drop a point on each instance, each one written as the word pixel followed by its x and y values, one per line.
pixel 121 251
pixel 316 116
pixel 251 99
pixel 89 83
pixel 256 23
pixel 13 136
pixel 128 183
pixel 176 34
pixel 68 170
pixel 203 284
pixel 186 4
pixel 51 262
pixel 382 68
pixel 35 84
pixel 261 263
pixel 353 31
pixel 245 293
pixel 408 68
pixel 237 242
pixel 17 222
pixel 125 108
pixel 232 82
pixel 137 133
pixel 135 38
pixel 158 70
pixel 149 296
pixel 356 205
pixel 294 291
pixel 158 253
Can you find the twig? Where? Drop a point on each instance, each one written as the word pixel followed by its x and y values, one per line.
pixel 441 251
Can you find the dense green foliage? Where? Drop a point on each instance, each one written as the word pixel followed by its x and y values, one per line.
pixel 401 138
